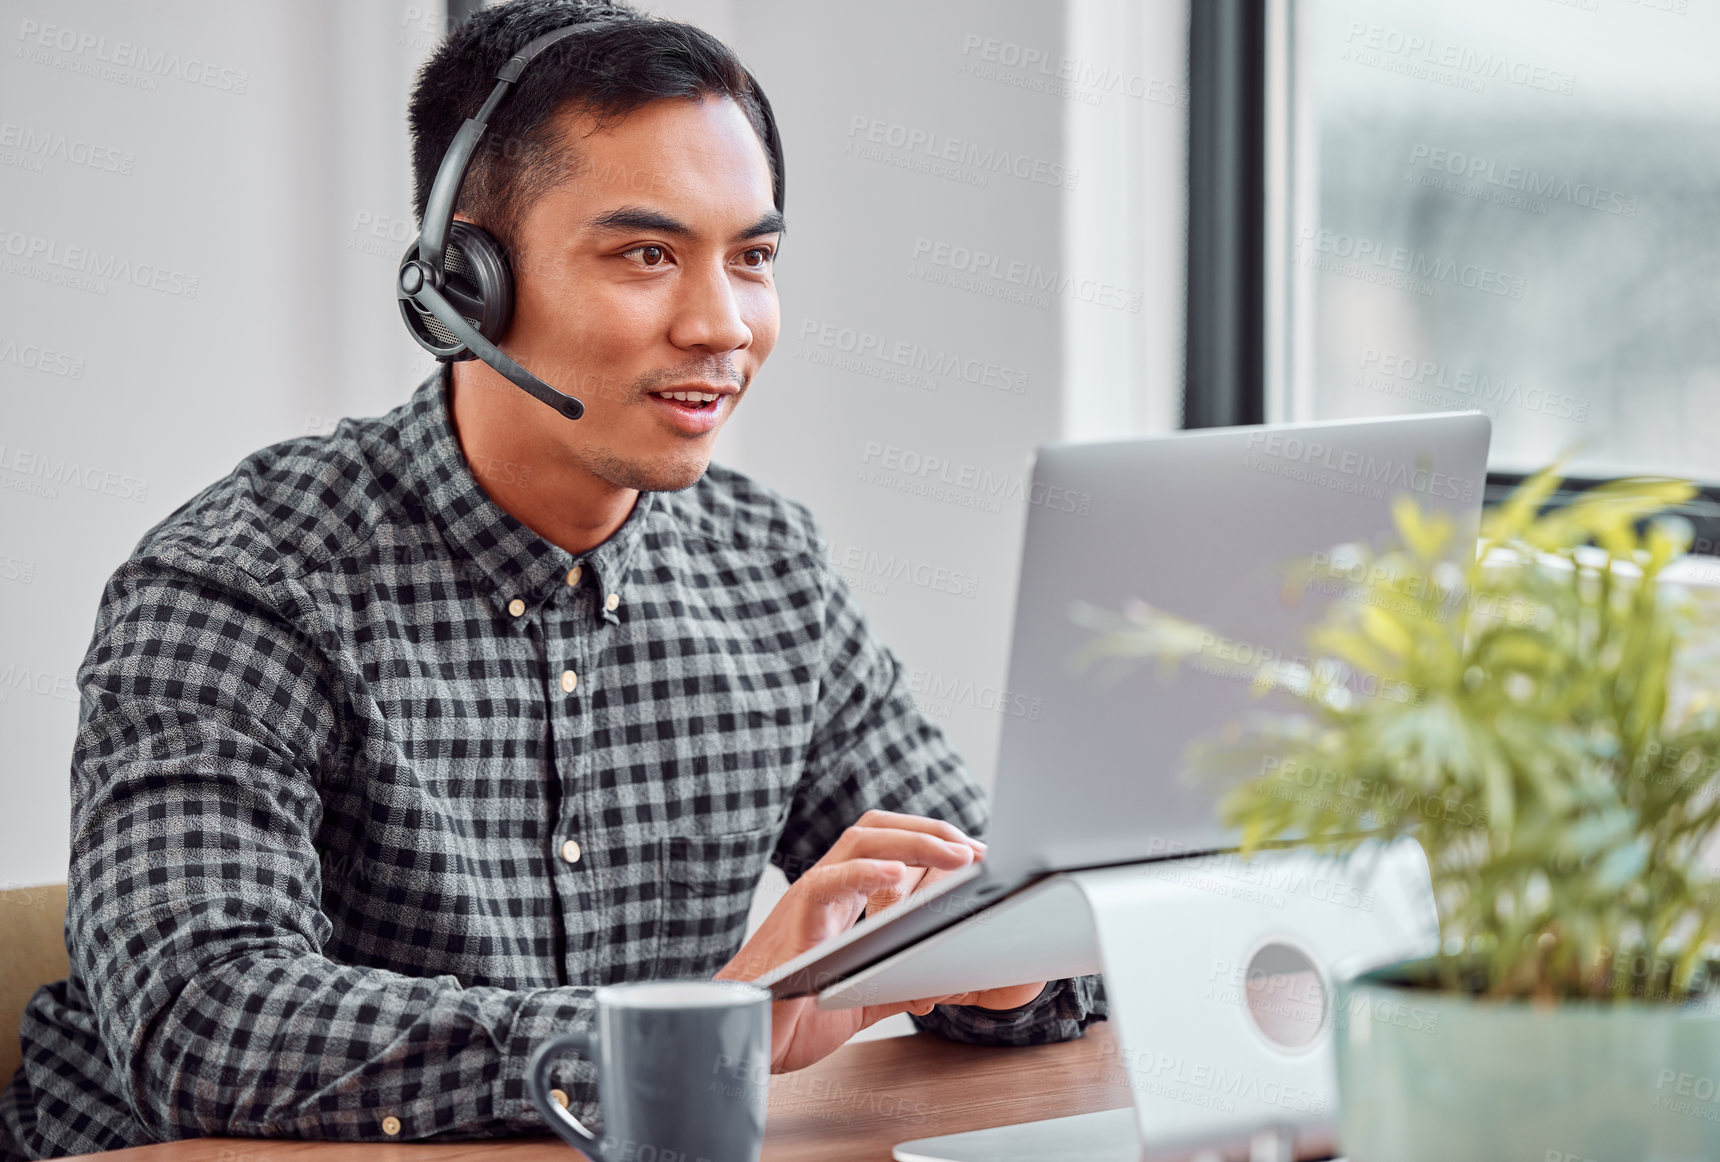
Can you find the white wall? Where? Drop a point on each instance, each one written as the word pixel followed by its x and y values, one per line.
pixel 270 198
pixel 249 185
pixel 866 232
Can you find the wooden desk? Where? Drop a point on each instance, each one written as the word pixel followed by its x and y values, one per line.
pixel 851 1107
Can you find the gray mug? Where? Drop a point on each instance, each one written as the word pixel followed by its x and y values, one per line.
pixel 683 1072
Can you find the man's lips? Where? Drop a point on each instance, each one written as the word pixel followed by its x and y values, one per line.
pixel 695 392
pixel 700 410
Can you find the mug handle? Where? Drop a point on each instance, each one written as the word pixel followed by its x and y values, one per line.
pixel 537 1076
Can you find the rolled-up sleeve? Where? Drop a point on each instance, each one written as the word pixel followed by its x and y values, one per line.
pixel 195 881
pixel 873 747
pixel 1059 1013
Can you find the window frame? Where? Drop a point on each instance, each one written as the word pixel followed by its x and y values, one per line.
pixel 1224 352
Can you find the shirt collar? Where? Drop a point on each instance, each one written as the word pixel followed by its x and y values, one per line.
pixel 499 553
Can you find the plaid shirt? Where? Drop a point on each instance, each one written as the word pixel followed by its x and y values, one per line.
pixel 373 785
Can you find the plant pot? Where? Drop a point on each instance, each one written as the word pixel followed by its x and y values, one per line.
pixel 1435 1075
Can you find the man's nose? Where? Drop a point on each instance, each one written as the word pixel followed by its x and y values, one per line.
pixel 709 314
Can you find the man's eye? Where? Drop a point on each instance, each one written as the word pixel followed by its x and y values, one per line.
pixel 649 255
pixel 757 257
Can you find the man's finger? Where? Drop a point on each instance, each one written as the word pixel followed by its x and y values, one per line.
pixel 920 1007
pixel 881 899
pixel 911 847
pixel 904 822
pixel 849 880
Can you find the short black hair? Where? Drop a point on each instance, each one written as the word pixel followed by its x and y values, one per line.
pixel 523 154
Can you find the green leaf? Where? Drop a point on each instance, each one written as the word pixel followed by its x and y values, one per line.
pixel 1593 834
pixel 1500 798
pixel 1349 646
pixel 1622 865
pixel 1425 536
pixel 1387 631
pixel 1525 500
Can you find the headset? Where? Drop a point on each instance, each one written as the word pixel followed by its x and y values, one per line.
pixel 455 288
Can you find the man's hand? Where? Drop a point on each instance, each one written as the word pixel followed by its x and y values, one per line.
pixel 884 857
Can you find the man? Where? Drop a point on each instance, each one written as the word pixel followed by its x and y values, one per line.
pixel 397 742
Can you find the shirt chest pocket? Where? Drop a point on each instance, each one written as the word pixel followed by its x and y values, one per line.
pixel 708 882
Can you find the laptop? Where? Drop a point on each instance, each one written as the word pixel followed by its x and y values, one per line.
pixel 1205 526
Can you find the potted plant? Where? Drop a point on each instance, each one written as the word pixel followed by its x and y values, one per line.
pixel 1526 727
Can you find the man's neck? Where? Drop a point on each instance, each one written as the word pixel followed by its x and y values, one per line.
pixel 553 496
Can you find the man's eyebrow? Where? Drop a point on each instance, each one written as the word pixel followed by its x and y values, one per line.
pixel 771 223
pixel 628 218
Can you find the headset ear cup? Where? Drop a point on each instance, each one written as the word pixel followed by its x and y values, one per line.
pixel 478 259
pixel 480 284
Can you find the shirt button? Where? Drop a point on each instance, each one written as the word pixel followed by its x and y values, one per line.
pixel 559 1097
pixel 570 851
pixel 391 1126
pixel 610 602
pixel 516 607
pixel 573 579
pixel 569 680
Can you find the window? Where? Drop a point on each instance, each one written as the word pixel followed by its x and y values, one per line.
pixel 1510 205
